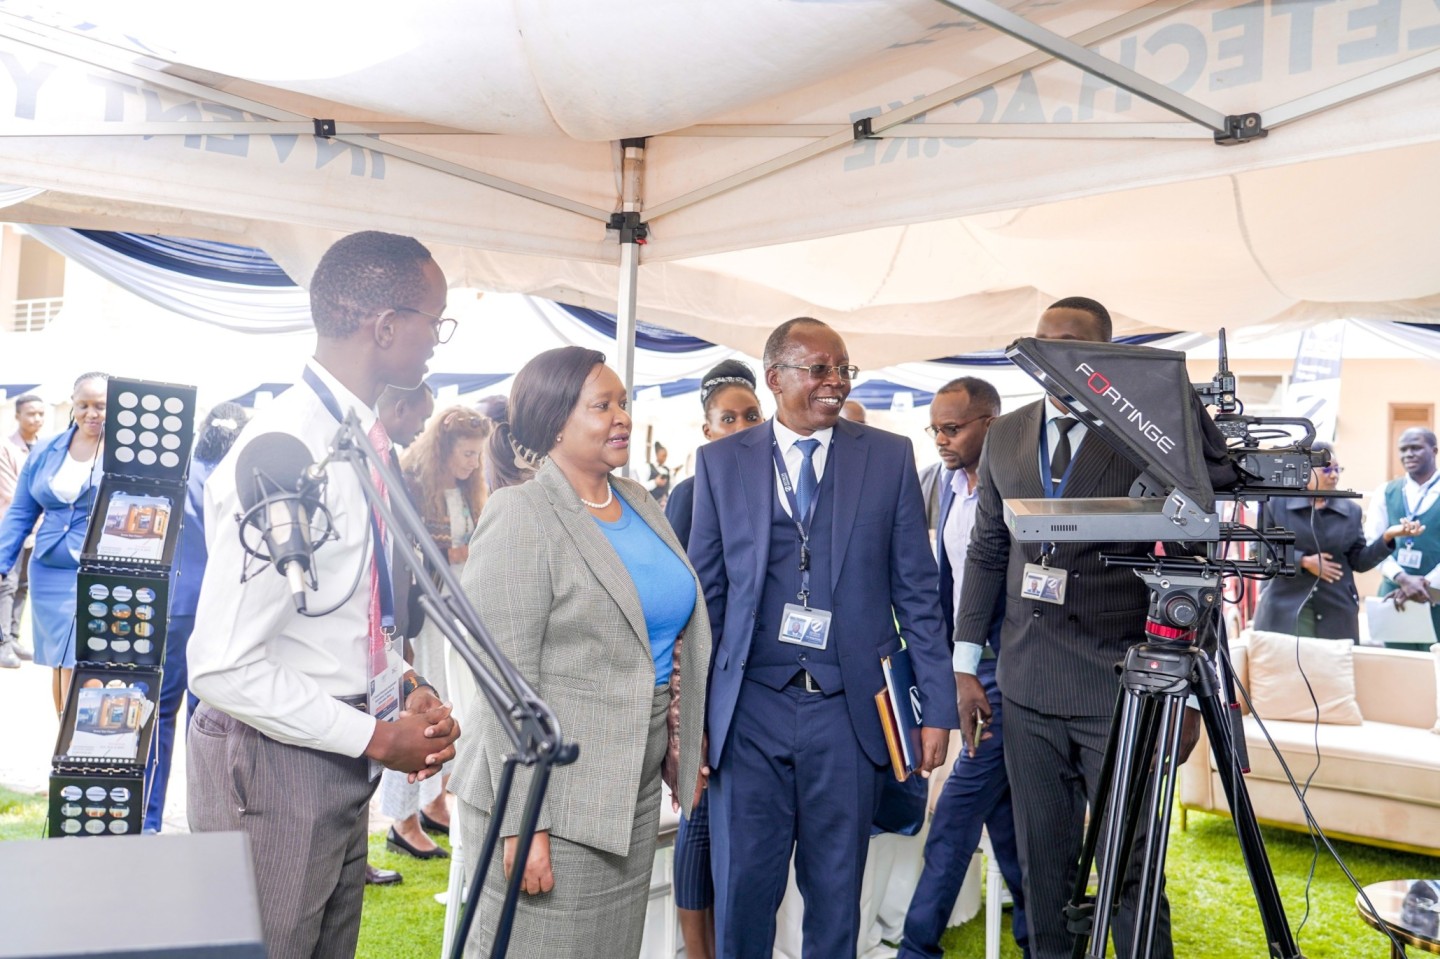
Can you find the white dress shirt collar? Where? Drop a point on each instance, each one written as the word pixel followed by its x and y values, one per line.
pixel 343 396
pixel 785 437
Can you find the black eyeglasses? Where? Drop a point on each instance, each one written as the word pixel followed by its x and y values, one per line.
pixel 952 430
pixel 444 327
pixel 818 371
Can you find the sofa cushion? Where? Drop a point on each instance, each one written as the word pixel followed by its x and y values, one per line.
pixel 1278 689
pixel 1375 759
pixel 1435 654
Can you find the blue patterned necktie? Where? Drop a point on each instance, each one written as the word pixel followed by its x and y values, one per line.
pixel 805 488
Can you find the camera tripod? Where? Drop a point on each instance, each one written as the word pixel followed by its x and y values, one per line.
pixel 1137 784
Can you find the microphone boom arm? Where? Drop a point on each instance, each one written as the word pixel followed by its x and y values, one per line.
pixel 533 728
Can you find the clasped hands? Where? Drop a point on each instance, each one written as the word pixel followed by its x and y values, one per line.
pixel 420 740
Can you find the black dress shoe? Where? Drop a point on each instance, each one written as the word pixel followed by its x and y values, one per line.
pixel 375 876
pixel 430 825
pixel 397 843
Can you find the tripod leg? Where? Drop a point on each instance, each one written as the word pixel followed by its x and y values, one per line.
pixel 1252 846
pixel 1158 804
pixel 1080 912
pixel 1135 745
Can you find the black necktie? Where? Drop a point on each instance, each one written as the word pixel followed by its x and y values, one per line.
pixel 1060 461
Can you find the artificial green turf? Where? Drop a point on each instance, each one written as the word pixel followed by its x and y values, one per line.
pixel 1212 907
pixel 403 920
pixel 1213 911
pixel 22 816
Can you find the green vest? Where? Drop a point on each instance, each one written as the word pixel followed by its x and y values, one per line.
pixel 1428 542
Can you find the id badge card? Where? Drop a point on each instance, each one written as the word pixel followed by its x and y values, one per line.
pixel 803 626
pixel 1408 557
pixel 382 697
pixel 1046 584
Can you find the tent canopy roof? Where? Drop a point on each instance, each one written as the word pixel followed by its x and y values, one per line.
pixel 999 177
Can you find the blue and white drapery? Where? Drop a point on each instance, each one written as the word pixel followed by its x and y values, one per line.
pixel 221 284
pixel 241 289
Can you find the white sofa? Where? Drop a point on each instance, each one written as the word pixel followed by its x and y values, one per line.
pixel 1377 783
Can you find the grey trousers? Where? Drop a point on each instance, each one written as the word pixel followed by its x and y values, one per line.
pixel 305 813
pixel 597 908
pixel 14 587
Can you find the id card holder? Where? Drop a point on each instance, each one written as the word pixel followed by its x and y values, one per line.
pixel 1045 584
pixel 382 698
pixel 1408 557
pixel 803 626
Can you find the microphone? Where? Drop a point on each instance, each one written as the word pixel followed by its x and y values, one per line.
pixel 280 491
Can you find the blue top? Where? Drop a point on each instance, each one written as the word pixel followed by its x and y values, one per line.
pixel 664 584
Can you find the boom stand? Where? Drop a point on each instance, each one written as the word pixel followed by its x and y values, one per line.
pixel 1156 678
pixel 533 728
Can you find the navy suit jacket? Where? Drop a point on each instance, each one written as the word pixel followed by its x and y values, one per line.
pixel 882 570
pixel 62 525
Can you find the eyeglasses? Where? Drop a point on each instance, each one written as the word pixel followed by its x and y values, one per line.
pixel 819 371
pixel 1331 470
pixel 952 430
pixel 444 327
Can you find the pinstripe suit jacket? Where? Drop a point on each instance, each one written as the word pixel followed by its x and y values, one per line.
pixel 1057 659
pixel 561 605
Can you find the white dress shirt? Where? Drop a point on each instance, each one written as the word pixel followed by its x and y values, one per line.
pixel 252 655
pixel 1418 498
pixel 958 525
pixel 785 438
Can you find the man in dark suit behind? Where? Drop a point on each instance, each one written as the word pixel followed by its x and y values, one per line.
pixel 795 744
pixel 1056 674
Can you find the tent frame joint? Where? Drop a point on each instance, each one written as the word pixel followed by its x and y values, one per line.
pixel 324 129
pixel 863 128
pixel 1241 128
pixel 630 227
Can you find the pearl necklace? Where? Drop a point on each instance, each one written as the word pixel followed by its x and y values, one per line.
pixel 609 498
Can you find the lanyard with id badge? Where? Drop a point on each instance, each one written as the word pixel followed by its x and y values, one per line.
pixel 800 624
pixel 384 667
pixel 1041 581
pixel 1408 556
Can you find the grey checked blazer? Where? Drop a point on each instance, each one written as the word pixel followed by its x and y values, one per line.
pixel 561 605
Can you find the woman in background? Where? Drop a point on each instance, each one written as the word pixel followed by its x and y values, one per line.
pixel 442 476
pixel 505 463
pixel 727 394
pixel 217 433
pixel 1320 600
pixel 57 487
pixel 586 590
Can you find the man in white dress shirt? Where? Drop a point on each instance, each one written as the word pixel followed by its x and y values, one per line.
pixel 284 742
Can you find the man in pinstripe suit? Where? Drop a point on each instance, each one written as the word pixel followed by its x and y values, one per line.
pixel 1056 675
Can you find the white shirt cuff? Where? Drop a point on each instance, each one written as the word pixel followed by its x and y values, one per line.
pixel 1391 569
pixel 966 658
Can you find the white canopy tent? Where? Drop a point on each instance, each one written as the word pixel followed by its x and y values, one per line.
pixel 990 177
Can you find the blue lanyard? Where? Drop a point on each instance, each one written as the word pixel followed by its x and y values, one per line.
pixel 801 525
pixel 382 560
pixel 1419 502
pixel 1052 491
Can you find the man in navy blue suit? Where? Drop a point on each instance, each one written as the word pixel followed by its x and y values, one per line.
pixel 814 521
pixel 977 793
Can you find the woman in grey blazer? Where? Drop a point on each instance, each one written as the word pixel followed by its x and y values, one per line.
pixel 585 588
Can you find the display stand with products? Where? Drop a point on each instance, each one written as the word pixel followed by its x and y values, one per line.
pixel 122 610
